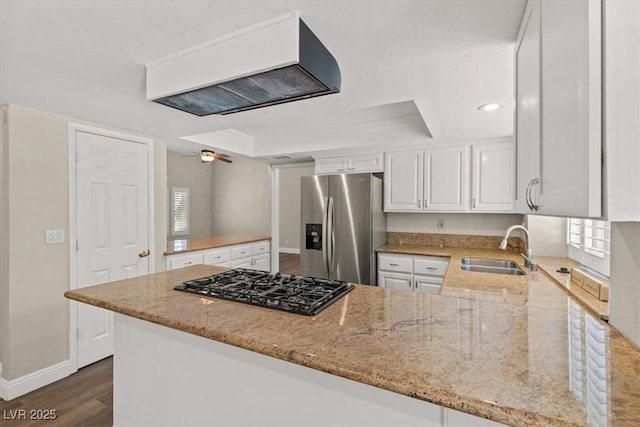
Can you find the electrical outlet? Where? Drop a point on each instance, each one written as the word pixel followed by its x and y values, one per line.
pixel 440 223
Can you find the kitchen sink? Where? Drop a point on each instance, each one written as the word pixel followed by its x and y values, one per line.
pixel 495 266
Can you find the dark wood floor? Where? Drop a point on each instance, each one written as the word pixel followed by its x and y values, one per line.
pixel 82 399
pixel 86 397
pixel 289 263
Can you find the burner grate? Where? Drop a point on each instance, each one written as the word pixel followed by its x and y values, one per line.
pixel 302 295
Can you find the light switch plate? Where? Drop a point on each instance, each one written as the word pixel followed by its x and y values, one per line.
pixel 54 235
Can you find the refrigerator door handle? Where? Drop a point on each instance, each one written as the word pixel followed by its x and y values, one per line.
pixel 325 240
pixel 331 239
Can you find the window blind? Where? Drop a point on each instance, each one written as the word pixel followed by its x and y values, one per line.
pixel 589 243
pixel 179 211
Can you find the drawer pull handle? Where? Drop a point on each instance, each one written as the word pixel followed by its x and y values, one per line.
pixel 218 257
pixel 394 265
pixel 431 268
pixel 188 262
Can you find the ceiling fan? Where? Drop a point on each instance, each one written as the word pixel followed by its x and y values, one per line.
pixel 209 156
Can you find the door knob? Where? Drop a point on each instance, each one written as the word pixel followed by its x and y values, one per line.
pixel 143 254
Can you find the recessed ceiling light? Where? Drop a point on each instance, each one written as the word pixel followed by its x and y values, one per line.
pixel 489 107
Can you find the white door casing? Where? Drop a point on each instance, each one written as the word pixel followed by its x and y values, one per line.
pixel 111 223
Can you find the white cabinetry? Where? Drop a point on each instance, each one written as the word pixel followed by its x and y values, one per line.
pixel 411 272
pixel 558 109
pixel 220 257
pixel 492 177
pixel 446 179
pixel 427 180
pixel 184 260
pixel 403 181
pixel 254 256
pixel 358 163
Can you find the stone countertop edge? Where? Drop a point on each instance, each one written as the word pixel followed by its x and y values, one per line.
pixel 210 242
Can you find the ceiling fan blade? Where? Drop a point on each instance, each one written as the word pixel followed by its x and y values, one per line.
pixel 224 159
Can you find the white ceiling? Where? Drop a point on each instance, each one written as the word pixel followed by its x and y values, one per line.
pixel 417 69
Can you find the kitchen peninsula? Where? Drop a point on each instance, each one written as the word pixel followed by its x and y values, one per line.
pixel 396 357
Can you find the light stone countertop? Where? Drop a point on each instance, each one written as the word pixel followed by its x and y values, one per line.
pixel 202 243
pixel 520 353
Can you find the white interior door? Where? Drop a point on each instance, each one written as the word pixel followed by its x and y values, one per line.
pixel 112 228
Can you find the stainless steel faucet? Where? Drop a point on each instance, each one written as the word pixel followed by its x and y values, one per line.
pixel 528 255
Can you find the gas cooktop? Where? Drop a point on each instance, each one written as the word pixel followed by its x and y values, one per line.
pixel 296 294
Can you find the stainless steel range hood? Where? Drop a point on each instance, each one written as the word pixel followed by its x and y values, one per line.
pixel 271 63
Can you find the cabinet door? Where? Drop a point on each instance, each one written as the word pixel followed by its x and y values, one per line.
pixel 403 181
pixel 365 163
pixel 446 179
pixel 259 248
pixel 394 280
pixel 242 263
pixel 220 256
pixel 427 284
pixel 329 165
pixel 262 262
pixel 571 108
pixel 240 251
pixel 180 261
pixel 492 177
pixel 527 118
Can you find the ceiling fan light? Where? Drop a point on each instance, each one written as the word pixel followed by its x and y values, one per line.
pixel 207 156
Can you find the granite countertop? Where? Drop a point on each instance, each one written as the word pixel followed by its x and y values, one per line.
pixel 201 243
pixel 522 354
pixel 497 287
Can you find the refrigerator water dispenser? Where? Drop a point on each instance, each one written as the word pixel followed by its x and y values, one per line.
pixel 313 234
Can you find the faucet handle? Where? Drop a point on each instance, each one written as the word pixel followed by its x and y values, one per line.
pixel 529 262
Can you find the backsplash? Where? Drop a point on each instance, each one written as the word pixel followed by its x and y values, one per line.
pixel 452 240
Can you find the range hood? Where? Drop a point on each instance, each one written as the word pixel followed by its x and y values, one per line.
pixel 277 61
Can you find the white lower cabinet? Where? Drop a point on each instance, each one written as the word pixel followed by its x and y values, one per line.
pixel 412 272
pixel 184 260
pixel 253 256
pixel 389 280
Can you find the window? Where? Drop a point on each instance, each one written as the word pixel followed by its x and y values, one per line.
pixel 588 242
pixel 179 211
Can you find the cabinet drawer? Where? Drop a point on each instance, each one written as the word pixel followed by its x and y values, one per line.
pixel 240 251
pixel 395 263
pixel 260 248
pixel 217 256
pixel 179 261
pixel 434 266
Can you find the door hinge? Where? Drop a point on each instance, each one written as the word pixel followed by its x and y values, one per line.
pixel 77 245
pixel 78 334
pixel 77 157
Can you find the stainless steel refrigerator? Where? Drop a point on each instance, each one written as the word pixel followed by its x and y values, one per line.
pixel 342 223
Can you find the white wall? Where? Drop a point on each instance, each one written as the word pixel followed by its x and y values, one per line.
pixel 455 223
pixel 290 206
pixel 624 295
pixel 548 235
pixel 190 172
pixel 35 275
pixel 241 197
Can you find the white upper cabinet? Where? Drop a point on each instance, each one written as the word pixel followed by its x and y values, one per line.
pixel 357 163
pixel 558 109
pixel 435 179
pixel 327 165
pixel 403 181
pixel 492 177
pixel 527 117
pixel 446 179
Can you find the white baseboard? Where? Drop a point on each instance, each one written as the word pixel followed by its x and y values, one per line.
pixel 15 388
pixel 290 250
